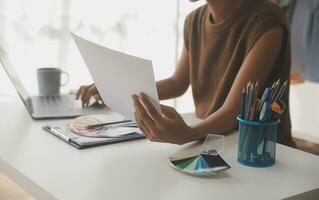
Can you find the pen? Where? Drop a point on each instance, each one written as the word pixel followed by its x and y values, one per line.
pixel 106 124
pixel 248 100
pixel 273 87
pixel 275 90
pixel 243 102
pixel 131 125
pixel 262 100
pixel 266 107
pixel 256 89
pixel 58 134
pixel 281 91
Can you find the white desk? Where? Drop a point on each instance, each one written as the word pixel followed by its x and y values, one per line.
pixel 49 168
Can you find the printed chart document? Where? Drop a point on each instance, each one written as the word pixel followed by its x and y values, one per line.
pixel 118 76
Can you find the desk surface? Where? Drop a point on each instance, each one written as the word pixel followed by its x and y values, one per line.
pixel 49 168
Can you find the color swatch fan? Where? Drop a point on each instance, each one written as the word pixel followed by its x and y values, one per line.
pixel 200 165
pixel 81 126
pixel 207 163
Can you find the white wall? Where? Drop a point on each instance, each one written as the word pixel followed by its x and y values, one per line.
pixel 304 106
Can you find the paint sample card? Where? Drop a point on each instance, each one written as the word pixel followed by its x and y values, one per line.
pixel 199 165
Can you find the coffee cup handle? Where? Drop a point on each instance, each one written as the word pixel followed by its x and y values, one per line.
pixel 67 78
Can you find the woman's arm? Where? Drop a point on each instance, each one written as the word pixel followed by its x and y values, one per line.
pixel 256 66
pixel 177 84
pixel 169 126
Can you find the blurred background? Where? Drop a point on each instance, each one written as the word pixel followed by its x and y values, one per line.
pixel 35 33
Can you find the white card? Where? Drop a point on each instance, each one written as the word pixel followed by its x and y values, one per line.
pixel 118 76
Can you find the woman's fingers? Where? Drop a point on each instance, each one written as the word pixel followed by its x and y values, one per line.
pixel 143 118
pixel 169 111
pixel 150 109
pixel 98 98
pixel 78 94
pixel 142 114
pixel 89 93
pixel 144 128
pixel 85 93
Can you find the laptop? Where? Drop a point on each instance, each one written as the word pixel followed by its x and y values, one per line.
pixel 47 107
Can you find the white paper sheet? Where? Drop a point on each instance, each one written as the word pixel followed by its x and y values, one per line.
pixel 118 76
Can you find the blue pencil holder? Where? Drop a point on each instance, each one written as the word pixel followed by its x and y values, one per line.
pixel 257 143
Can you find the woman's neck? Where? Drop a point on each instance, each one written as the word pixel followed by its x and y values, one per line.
pixel 222 9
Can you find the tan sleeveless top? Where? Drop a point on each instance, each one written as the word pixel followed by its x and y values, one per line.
pixel 217 51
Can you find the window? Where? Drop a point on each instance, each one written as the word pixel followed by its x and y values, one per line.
pixel 35 33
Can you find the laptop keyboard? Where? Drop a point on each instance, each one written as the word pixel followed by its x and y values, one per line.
pixel 58 104
pixel 65 105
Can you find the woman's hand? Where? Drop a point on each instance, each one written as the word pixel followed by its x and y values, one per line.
pixel 166 127
pixel 86 92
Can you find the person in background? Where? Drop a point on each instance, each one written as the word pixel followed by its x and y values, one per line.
pixel 227 43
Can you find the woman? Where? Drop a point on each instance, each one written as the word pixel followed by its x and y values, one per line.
pixel 227 43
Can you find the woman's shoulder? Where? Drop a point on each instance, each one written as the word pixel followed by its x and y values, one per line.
pixel 264 16
pixel 265 9
pixel 196 14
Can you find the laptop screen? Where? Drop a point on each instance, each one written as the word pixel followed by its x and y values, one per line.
pixel 13 77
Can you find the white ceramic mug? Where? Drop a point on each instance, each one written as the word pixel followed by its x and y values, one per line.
pixel 49 81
